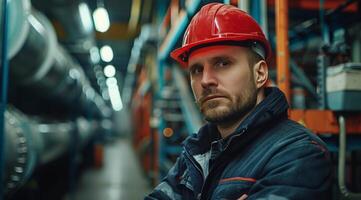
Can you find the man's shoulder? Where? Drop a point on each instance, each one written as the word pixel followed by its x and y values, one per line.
pixel 292 132
pixel 290 128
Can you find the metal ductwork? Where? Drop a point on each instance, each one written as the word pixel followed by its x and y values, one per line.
pixel 74 25
pixel 20 151
pixel 74 17
pixel 41 69
pixel 30 143
pixel 44 68
pixel 76 22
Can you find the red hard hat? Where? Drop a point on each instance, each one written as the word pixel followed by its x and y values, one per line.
pixel 218 23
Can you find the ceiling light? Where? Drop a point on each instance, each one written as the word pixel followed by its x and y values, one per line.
pixel 111 82
pixel 85 17
pixel 109 71
pixel 106 53
pixel 114 94
pixel 94 55
pixel 101 19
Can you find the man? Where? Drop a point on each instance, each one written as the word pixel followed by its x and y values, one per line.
pixel 249 149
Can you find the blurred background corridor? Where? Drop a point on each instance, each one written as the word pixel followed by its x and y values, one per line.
pixel 93 108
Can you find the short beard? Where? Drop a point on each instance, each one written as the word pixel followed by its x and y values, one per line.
pixel 236 112
pixel 241 106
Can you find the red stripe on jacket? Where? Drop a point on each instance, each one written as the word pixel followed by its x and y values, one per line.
pixel 237 179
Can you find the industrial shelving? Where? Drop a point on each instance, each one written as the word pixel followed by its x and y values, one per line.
pixel 320 119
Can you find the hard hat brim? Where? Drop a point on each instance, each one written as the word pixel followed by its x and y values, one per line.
pixel 181 54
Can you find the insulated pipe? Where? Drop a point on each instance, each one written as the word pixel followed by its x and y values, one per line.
pixel 341 162
pixel 75 27
pixel 76 21
pixel 22 151
pixel 38 53
pixel 31 144
pixel 19 26
pixel 57 136
pixel 73 15
pixel 43 67
pixel 283 70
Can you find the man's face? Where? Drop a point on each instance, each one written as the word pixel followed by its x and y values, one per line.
pixel 223 83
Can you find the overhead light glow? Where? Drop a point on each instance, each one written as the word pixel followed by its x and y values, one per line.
pixel 111 82
pixel 109 71
pixel 114 94
pixel 94 55
pixel 106 53
pixel 101 19
pixel 85 16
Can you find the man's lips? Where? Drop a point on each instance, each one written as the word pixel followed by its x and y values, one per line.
pixel 204 99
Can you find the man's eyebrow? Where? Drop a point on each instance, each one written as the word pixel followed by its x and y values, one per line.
pixel 221 57
pixel 212 60
pixel 194 65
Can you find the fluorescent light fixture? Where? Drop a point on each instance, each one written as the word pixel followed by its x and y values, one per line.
pixel 114 94
pixel 101 19
pixel 106 53
pixel 85 16
pixel 109 71
pixel 94 55
pixel 111 82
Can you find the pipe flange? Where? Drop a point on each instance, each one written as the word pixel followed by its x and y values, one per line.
pixel 17 172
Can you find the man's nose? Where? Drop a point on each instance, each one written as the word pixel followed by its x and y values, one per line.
pixel 208 78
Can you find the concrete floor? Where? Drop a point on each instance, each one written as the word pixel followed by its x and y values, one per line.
pixel 119 178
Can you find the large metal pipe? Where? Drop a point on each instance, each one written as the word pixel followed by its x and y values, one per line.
pixel 45 68
pixel 19 26
pixel 42 68
pixel 73 16
pixel 30 143
pixel 74 25
pixel 22 150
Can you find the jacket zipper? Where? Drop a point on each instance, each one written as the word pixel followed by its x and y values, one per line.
pixel 211 171
pixel 196 165
pixel 234 136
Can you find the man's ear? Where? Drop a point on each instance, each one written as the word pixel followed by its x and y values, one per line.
pixel 260 72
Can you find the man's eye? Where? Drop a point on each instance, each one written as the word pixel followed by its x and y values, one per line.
pixel 222 63
pixel 196 70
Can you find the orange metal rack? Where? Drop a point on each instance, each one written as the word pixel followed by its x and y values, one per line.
pixel 325 121
pixel 319 121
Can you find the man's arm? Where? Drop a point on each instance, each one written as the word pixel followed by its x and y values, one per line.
pixel 300 171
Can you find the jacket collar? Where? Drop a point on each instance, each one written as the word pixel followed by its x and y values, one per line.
pixel 272 108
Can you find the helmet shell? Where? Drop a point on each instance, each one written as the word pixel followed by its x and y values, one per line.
pixel 218 23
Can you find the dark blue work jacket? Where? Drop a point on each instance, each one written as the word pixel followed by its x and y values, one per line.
pixel 267 157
